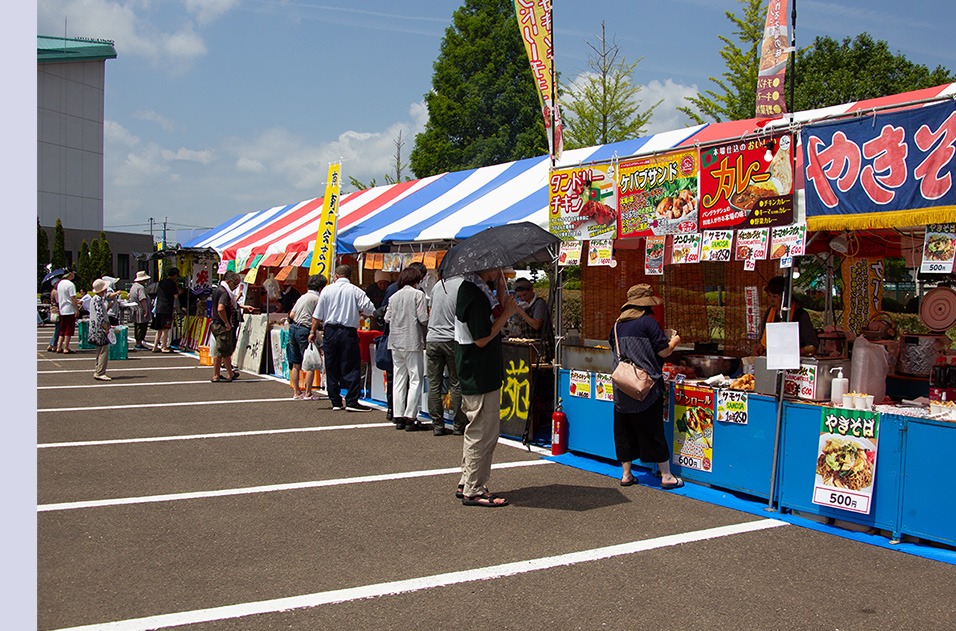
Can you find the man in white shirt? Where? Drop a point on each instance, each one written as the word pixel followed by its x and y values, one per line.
pixel 69 307
pixel 338 309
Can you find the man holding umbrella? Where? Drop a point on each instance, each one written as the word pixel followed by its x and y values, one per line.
pixel 480 364
pixel 482 309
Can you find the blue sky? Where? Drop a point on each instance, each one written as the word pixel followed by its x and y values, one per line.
pixel 220 107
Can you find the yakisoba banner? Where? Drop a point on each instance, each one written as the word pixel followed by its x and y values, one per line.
pixel 323 256
pixel 534 21
pixel 658 195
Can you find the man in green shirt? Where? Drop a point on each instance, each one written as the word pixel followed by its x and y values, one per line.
pixel 480 364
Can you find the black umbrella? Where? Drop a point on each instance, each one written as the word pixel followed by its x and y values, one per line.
pixel 50 277
pixel 500 246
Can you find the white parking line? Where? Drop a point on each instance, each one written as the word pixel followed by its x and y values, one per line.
pixel 88 356
pixel 138 384
pixel 111 369
pixel 271 488
pixel 135 406
pixel 164 439
pixel 377 590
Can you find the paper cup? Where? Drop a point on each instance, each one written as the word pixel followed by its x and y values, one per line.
pixel 848 402
pixel 861 402
pixel 867 402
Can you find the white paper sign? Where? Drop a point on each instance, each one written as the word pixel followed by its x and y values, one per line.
pixel 783 345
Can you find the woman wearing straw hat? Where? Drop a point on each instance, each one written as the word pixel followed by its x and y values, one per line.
pixel 639 425
pixel 100 328
pixel 142 310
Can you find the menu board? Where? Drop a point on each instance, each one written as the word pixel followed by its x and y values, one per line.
pixel 717 245
pixel 747 183
pixel 601 252
pixel 654 255
pixel 939 249
pixel 694 427
pixel 603 387
pixel 732 406
pixel 658 195
pixel 751 244
pixel 570 253
pixel 580 384
pixel 846 459
pixel 685 248
pixel 582 203
pixel 787 241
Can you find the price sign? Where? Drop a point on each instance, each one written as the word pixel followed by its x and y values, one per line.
pixel 846 459
pixel 732 406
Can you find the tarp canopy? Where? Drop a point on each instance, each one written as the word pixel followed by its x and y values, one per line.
pixel 451 206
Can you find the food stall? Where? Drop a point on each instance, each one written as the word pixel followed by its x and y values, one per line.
pixel 776 435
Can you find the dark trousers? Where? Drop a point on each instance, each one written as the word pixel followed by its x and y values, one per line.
pixel 139 331
pixel 343 363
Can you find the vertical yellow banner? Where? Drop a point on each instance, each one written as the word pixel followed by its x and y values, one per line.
pixel 534 21
pixel 323 254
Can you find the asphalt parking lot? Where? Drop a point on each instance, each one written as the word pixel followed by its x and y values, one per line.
pixel 167 501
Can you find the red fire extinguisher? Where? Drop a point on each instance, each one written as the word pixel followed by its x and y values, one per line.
pixel 559 433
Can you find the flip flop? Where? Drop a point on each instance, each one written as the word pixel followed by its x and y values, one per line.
pixel 219 379
pixel 675 485
pixel 630 482
pixel 235 375
pixel 484 500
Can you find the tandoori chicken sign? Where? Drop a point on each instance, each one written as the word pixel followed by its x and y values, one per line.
pixel 583 203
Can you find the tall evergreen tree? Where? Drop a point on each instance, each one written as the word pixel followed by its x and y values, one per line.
pixel 58 257
pixel 483 107
pixel 84 264
pixel 43 246
pixel 104 264
pixel 601 106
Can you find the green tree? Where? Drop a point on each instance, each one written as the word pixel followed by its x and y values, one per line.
pixel 831 73
pixel 483 107
pixel 735 97
pixel 104 263
pixel 600 107
pixel 43 246
pixel 83 267
pixel 58 258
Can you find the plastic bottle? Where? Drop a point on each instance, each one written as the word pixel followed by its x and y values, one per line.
pixel 838 387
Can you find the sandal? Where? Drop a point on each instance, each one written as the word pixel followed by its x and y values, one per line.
pixel 235 375
pixel 675 485
pixel 488 499
pixel 628 482
pixel 219 379
pixel 460 493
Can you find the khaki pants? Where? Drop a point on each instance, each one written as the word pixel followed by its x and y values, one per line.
pixel 481 436
pixel 102 357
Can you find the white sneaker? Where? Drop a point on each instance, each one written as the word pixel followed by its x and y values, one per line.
pixel 102 377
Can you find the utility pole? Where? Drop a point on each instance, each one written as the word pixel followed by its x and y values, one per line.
pixel 150 229
pixel 164 231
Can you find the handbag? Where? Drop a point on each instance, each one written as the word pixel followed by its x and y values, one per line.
pixel 111 337
pixel 383 356
pixel 628 378
pixel 54 317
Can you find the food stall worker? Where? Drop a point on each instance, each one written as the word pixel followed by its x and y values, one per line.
pixel 808 335
pixel 533 318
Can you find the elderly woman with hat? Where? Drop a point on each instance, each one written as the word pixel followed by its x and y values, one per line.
pixel 142 309
pixel 100 328
pixel 639 425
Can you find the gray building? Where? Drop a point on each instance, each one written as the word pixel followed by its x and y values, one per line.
pixel 71 75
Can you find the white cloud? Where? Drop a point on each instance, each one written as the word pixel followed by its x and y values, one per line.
pixel 248 165
pixel 207 11
pixel 188 155
pixel 154 117
pixel 116 134
pixel 666 117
